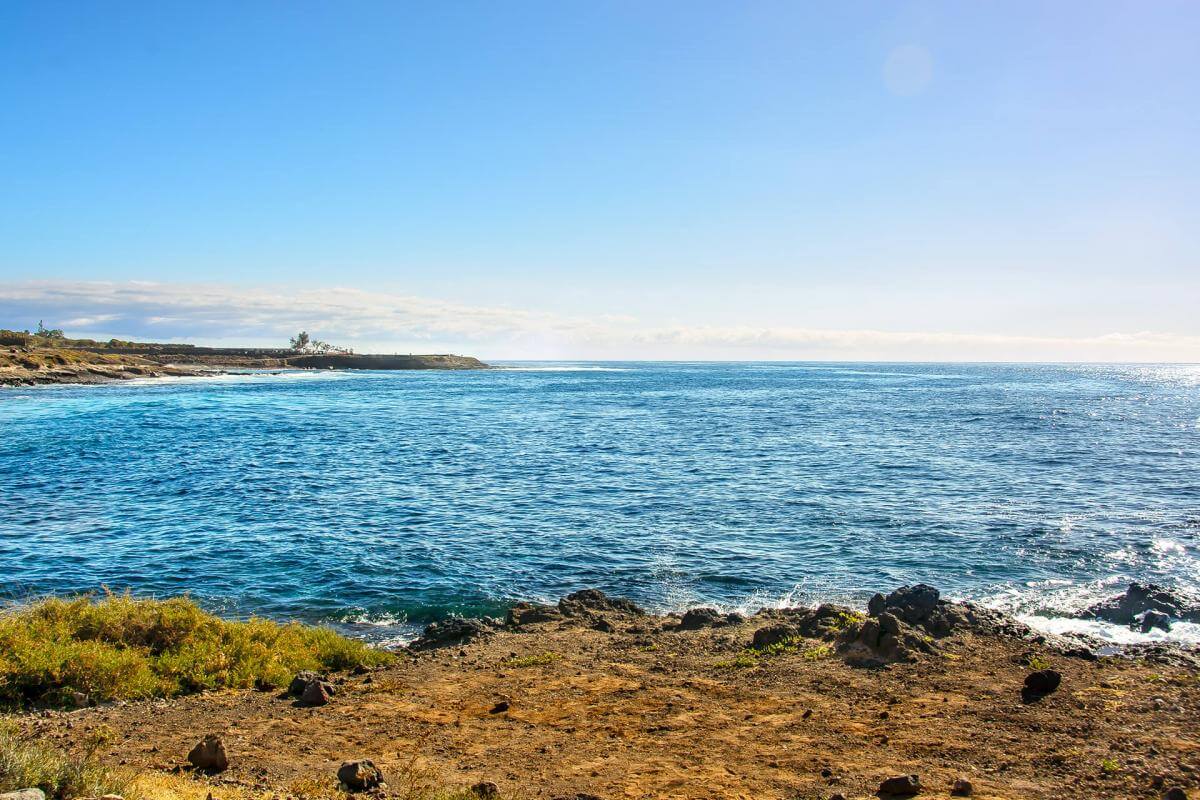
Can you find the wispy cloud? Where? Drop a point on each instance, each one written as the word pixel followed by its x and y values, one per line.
pixel 207 312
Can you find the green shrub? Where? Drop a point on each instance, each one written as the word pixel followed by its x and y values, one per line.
pixel 119 648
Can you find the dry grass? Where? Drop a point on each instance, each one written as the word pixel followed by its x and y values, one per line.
pixel 27 763
pixel 118 647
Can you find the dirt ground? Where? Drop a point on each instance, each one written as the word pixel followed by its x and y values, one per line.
pixel 672 714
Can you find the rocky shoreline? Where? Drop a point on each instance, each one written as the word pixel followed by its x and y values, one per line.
pixel 33 366
pixel 593 697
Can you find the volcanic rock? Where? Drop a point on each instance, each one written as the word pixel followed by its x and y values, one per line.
pixel 359 776
pixel 900 786
pixel 531 614
pixel 450 632
pixel 209 754
pixel 1139 598
pixel 593 600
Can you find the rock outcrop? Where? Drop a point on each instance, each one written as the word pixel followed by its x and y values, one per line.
pixel 1146 606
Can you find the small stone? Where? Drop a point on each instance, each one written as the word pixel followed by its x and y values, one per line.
pixel 317 693
pixel 209 754
pixel 900 786
pixel 359 776
pixel 962 788
pixel 1175 793
pixel 1044 681
pixel 486 790
pixel 500 707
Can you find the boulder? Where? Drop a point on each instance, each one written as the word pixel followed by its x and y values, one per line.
pixel 881 640
pixel 962 788
pixel 1175 793
pixel 593 600
pixel 450 632
pixel 209 754
pixel 900 786
pixel 317 693
pixel 486 790
pixel 360 776
pixel 1154 619
pixel 1043 682
pixel 302 680
pixel 531 614
pixel 696 618
pixel 1138 599
pixel 774 634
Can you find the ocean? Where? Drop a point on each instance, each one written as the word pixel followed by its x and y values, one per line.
pixel 379 501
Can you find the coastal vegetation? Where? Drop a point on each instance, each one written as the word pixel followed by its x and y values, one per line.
pixel 80 650
pixel 27 762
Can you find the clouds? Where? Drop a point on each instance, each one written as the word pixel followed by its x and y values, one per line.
pixel 375 320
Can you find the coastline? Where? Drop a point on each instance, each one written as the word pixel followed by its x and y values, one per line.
pixel 42 365
pixel 593 697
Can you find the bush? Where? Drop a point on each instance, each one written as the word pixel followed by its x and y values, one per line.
pixel 118 648
pixel 26 763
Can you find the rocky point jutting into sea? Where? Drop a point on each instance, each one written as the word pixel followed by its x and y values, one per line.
pixel 27 360
pixel 593 697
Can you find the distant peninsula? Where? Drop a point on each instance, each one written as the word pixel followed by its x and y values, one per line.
pixel 48 357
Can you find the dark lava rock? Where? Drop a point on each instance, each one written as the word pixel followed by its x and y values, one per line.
pixel 359 776
pixel 774 634
pixel 1155 619
pixel 881 640
pixel 531 614
pixel 696 618
pixel 317 693
pixel 500 707
pixel 921 606
pixel 1175 793
pixel 1140 598
pixel 452 631
pixel 209 755
pixel 900 786
pixel 603 625
pixel 302 680
pixel 962 788
pixel 913 604
pixel 593 600
pixel 1043 682
pixel 486 790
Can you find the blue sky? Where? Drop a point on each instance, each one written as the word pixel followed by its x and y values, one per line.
pixel 569 180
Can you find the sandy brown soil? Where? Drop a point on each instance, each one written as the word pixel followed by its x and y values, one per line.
pixel 647 713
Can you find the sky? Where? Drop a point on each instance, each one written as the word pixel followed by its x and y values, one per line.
pixel 669 180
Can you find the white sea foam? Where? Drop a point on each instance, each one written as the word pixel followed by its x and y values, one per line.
pixel 563 368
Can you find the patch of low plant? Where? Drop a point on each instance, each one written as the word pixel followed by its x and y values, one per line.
pixel 845 619
pixel 753 656
pixel 535 660
pixel 26 762
pixel 1108 766
pixel 1038 663
pixel 118 647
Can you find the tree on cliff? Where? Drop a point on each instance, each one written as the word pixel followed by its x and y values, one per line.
pixel 302 343
pixel 49 333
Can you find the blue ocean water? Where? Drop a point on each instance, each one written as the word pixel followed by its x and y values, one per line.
pixel 381 500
